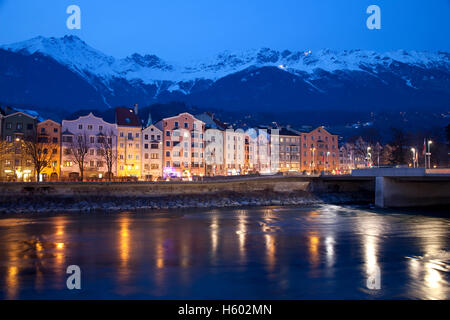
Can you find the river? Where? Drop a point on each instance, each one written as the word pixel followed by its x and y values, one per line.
pixel 314 252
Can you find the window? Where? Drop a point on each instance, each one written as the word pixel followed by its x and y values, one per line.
pixel 42 130
pixel 19 126
pixel 55 130
pixel 89 127
pixel 186 125
pixel 167 154
pixel 158 137
pixel 91 164
pixel 155 166
pixel 80 127
pixel 146 137
pixel 130 136
pixel 100 128
pixel 121 134
pixel 155 146
pixel 146 156
pixel 55 151
pixel 167 143
pixel 91 152
pixel 146 146
pixel 154 156
pixel 176 124
pixel 8 138
pixel 167 133
pixel 8 125
pixel 91 139
pixel 55 140
pixel 137 135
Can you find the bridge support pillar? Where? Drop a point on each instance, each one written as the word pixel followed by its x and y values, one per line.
pixel 391 192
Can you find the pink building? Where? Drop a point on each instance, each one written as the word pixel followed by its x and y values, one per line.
pixel 183 145
pixel 93 130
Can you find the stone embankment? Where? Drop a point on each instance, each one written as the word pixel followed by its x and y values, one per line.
pixel 262 191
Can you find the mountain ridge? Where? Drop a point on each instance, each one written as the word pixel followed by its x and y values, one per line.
pixel 72 74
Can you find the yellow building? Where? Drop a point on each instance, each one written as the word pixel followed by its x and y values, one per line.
pixel 129 148
pixel 49 133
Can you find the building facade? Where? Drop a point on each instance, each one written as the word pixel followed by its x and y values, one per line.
pixel 49 133
pixel 129 149
pixel 93 132
pixel 234 151
pixel 183 146
pixel 319 151
pixel 289 151
pixel 16 164
pixel 152 153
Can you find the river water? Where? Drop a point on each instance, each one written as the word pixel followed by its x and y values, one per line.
pixel 316 252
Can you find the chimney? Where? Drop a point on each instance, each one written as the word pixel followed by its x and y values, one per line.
pixel 136 108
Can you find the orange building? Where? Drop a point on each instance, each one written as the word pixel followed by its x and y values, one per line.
pixel 49 133
pixel 319 151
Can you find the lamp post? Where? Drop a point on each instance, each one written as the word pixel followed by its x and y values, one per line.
pixel 369 155
pixel 314 163
pixel 413 150
pixel 429 153
pixel 328 154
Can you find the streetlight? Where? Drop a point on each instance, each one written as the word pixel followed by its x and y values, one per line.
pixel 369 156
pixel 429 153
pixel 328 154
pixel 314 164
pixel 414 156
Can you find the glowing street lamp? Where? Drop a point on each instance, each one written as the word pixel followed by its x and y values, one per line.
pixel 429 153
pixel 328 154
pixel 413 150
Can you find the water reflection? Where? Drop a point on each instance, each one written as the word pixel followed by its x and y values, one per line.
pixel 269 237
pixel 371 229
pixel 124 248
pixel 314 241
pixel 214 236
pixel 242 234
pixel 293 253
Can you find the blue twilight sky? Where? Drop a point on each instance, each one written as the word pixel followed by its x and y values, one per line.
pixel 185 29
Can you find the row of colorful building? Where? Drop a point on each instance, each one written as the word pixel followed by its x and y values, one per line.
pixel 182 146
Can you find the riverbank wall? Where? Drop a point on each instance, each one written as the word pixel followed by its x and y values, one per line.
pixel 257 191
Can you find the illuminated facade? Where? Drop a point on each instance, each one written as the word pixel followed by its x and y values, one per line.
pixel 234 151
pixel 92 130
pixel 129 149
pixel 319 151
pixel 289 151
pixel 49 133
pixel 152 153
pixel 15 163
pixel 183 140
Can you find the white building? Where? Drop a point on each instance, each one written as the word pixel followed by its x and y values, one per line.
pixel 234 151
pixel 152 153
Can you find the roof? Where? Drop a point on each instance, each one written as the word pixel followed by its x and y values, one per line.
pixel 127 117
pixel 287 132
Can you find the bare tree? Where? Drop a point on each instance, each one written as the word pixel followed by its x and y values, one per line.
pixel 40 153
pixel 79 149
pixel 107 151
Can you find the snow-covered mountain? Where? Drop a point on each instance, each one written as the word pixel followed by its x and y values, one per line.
pixel 261 78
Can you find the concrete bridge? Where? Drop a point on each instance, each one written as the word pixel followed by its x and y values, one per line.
pixel 408 187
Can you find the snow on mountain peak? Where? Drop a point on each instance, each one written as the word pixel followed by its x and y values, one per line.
pixel 87 61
